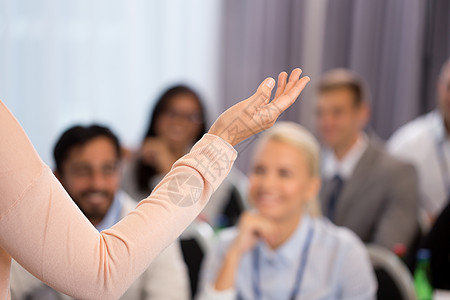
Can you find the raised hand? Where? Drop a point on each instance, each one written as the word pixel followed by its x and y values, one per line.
pixel 258 113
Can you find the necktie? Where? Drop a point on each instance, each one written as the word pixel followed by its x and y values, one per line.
pixel 336 188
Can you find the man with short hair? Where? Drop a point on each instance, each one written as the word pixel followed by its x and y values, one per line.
pixel 425 142
pixel 364 188
pixel 88 166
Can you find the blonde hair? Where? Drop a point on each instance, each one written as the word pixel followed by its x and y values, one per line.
pixel 297 136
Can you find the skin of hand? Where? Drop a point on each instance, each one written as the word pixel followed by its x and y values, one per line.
pixel 258 113
pixel 156 152
pixel 252 227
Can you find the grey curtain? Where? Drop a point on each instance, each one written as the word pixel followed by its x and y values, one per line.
pixel 436 49
pixel 260 39
pixel 397 46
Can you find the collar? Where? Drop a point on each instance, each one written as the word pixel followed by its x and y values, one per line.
pixel 333 166
pixel 288 253
pixel 113 214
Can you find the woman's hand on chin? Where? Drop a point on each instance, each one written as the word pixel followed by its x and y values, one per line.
pixel 252 228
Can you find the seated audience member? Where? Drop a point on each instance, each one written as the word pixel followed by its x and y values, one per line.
pixel 177 122
pixel 88 166
pixel 425 142
pixel 364 188
pixel 283 249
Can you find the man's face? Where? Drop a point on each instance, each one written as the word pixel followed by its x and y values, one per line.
pixel 444 97
pixel 339 119
pixel 90 174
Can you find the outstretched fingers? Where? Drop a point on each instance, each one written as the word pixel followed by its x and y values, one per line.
pixel 290 94
pixel 293 78
pixel 281 84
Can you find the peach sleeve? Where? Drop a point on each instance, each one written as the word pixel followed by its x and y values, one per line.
pixel 42 228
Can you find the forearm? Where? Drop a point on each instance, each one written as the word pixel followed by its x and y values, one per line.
pixel 42 228
pixel 226 277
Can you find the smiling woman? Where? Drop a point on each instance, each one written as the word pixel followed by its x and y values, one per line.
pixel 283 249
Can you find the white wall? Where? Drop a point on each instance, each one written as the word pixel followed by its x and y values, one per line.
pixel 66 62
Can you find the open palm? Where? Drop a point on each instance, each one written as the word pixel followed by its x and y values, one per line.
pixel 257 113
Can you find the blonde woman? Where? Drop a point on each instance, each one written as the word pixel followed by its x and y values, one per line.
pixel 283 249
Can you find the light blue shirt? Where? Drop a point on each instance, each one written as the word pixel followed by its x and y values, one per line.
pixel 337 266
pixel 113 215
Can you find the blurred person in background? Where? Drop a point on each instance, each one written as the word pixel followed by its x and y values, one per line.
pixel 364 188
pixel 283 248
pixel 178 121
pixel 425 142
pixel 88 163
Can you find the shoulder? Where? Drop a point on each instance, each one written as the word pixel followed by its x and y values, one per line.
pixel 222 241
pixel 413 132
pixel 341 245
pixel 336 236
pixel 128 203
pixel 389 163
pixel 226 236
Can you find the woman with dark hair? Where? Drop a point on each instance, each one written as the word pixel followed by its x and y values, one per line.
pixel 177 122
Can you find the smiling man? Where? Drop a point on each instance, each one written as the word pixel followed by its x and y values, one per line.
pixel 88 166
pixel 364 188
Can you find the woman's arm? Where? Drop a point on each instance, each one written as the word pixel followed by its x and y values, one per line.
pixel 252 228
pixel 42 228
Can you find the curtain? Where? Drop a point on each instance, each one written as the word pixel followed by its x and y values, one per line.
pixel 397 46
pixel 261 38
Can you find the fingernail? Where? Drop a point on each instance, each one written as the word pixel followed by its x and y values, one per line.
pixel 270 82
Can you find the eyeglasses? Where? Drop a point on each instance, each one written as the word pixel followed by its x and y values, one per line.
pixel 194 117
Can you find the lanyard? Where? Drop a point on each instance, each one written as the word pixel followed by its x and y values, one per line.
pixel 300 271
pixel 443 165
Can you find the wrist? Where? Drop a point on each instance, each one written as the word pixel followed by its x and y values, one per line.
pixel 226 277
pixel 235 252
pixel 223 135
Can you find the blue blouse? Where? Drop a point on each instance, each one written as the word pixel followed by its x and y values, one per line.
pixel 336 266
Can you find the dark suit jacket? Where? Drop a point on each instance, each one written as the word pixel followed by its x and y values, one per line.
pixel 438 241
pixel 379 201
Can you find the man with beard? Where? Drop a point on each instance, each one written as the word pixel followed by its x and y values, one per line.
pixel 88 166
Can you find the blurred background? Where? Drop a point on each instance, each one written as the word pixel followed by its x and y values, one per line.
pixel 66 62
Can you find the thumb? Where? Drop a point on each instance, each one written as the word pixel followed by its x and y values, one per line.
pixel 264 91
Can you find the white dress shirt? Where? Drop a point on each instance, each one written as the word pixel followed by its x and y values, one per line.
pixel 337 266
pixel 332 166
pixel 425 143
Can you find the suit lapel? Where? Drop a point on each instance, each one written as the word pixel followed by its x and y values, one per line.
pixel 353 189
